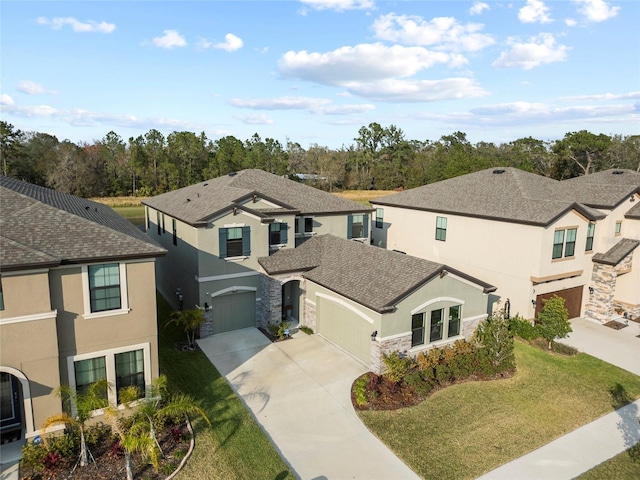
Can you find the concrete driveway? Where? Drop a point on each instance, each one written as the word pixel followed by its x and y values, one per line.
pixel 299 392
pixel 617 347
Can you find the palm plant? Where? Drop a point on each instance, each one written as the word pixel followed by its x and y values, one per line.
pixel 81 405
pixel 189 320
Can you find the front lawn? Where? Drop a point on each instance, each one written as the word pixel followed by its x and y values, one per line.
pixel 469 429
pixel 620 467
pixel 234 447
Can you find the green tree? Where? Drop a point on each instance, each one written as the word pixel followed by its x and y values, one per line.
pixel 496 340
pixel 553 320
pixel 10 146
pixel 581 153
pixel 82 404
pixel 190 321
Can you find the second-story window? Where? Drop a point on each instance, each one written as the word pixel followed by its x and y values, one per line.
pixel 308 224
pixel 618 229
pixel 591 229
pixel 159 227
pixel 278 234
pixel 175 231
pixel 104 287
pixel 441 229
pixel 379 217
pixel 564 241
pixel 235 242
pixel 358 226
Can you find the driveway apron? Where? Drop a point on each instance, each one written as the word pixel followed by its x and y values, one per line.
pixel 299 392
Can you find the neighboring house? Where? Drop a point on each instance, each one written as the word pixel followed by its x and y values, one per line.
pixel 77 302
pixel 531 236
pixel 371 301
pixel 216 230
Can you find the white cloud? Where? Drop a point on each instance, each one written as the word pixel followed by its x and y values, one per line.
pixel 81 27
pixel 535 11
pixel 364 62
pixel 231 43
pixel 537 51
pixel 348 109
pixel 6 100
pixel 604 96
pixel 478 7
pixel 255 119
pixel 596 10
pixel 203 43
pixel 33 88
pixel 394 90
pixel 340 5
pixel 570 22
pixel 170 39
pixel 444 33
pixel 314 105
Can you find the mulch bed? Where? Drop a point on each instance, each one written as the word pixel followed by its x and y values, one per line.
pixel 615 324
pixel 109 461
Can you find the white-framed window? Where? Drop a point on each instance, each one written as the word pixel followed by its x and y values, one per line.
pixel 591 230
pixel 358 226
pixel 121 367
pixel 436 325
pixel 441 229
pixel 618 228
pixel 105 289
pixel 379 217
pixel 564 240
pixel 278 233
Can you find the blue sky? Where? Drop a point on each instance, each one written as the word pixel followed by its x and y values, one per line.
pixel 315 71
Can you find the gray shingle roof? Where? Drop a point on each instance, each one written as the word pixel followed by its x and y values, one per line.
pixel 39 226
pixel 506 194
pixel 634 212
pixel 617 253
pixel 605 189
pixel 374 277
pixel 198 203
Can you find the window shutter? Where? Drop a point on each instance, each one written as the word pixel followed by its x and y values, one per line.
pixel 222 240
pixel 365 225
pixel 246 241
pixel 284 238
pixel 350 226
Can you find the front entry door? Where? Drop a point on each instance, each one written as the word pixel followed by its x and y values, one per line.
pixel 10 411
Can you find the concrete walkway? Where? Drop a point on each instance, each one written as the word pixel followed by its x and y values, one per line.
pixel 588 446
pixel 299 392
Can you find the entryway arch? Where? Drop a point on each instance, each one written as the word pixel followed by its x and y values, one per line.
pixel 17 408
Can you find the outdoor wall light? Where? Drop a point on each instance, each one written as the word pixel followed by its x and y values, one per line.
pixel 534 303
pixel 507 309
pixel 374 334
pixel 591 290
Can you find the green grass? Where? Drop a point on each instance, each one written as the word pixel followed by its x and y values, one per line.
pixel 134 214
pixel 234 447
pixel 468 429
pixel 620 467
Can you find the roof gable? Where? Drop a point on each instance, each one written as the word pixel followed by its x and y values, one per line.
pixel 606 189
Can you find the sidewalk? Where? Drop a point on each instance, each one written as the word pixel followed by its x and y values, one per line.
pixel 578 451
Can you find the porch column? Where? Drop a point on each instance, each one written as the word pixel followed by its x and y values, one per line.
pixel 603 282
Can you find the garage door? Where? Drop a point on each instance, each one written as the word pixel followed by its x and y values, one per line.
pixel 344 328
pixel 572 300
pixel 233 311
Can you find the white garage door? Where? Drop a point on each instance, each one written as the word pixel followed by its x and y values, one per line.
pixel 344 328
pixel 234 311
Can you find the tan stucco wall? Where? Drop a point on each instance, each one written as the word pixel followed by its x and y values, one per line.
pixel 25 293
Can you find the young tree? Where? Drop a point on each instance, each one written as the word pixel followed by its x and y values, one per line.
pixel 83 404
pixel 553 320
pixel 495 338
pixel 189 320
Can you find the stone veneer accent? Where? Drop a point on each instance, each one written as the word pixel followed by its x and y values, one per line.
pixel 309 316
pixel 206 328
pixel 601 306
pixel 270 308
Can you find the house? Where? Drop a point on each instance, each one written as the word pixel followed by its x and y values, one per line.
pixel 531 236
pixel 215 231
pixel 77 302
pixel 371 301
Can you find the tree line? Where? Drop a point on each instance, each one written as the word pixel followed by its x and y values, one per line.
pixel 379 158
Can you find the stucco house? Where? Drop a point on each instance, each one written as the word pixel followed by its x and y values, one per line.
pixel 77 302
pixel 530 236
pixel 370 301
pixel 215 231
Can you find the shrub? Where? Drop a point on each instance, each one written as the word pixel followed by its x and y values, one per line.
pixel 523 328
pixel 397 366
pixel 278 330
pixel 496 341
pixel 306 330
pixel 360 391
pixel 50 460
pixel 553 321
pixel 33 455
pixel 420 385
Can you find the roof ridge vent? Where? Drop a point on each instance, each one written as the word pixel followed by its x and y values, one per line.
pixel 617 172
pixel 498 171
pixel 233 174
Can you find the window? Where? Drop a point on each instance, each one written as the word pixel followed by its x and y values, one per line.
pixel 297 225
pixel 278 234
pixel 358 226
pixel 235 242
pixel 175 231
pixel 441 229
pixel 159 227
pixel 122 367
pixel 1 295
pixel 308 224
pixel 88 372
pixel 437 317
pixel 146 216
pixel 618 229
pixel 559 243
pixel 591 229
pixel 454 321
pixel 104 287
pixel 417 329
pixel 130 371
pixel 163 230
pixel 379 217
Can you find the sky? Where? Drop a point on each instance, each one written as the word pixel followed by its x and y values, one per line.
pixel 314 72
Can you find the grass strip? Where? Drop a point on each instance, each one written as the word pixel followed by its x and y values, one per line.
pixel 469 429
pixel 235 447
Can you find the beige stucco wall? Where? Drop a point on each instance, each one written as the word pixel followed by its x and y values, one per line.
pixel 25 293
pixel 78 335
